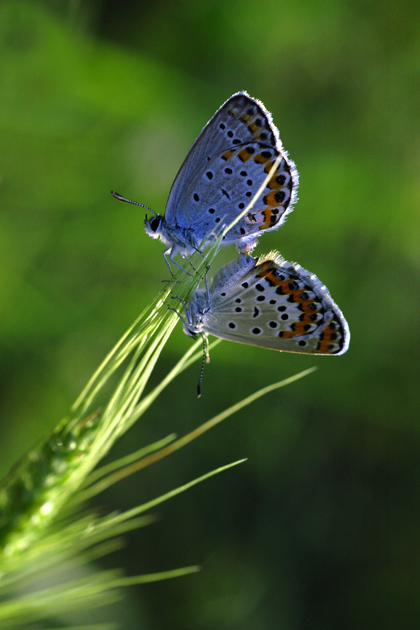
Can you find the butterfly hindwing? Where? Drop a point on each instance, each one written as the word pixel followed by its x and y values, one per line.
pixel 273 304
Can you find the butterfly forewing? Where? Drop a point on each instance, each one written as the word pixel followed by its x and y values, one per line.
pixel 225 167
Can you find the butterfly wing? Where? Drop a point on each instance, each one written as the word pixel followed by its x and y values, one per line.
pixel 224 169
pixel 277 305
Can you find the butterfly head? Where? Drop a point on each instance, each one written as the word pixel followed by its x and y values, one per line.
pixel 153 226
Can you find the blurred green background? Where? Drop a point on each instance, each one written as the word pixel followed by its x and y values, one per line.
pixel 320 527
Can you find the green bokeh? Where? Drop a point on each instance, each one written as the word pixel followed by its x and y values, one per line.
pixel 319 529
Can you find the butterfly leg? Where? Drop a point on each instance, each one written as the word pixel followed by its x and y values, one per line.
pixel 186 328
pixel 206 283
pixel 165 253
pixel 174 297
pixel 199 252
pixel 171 253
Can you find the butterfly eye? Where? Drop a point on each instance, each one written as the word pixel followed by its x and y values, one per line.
pixel 155 223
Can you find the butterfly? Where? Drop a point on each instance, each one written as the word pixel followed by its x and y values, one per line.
pixel 271 303
pixel 221 174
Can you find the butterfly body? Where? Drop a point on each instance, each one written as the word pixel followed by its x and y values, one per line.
pixel 177 239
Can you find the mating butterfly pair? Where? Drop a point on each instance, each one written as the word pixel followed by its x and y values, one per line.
pixel 266 302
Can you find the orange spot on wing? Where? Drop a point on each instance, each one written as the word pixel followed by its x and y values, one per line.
pixel 270 219
pixel 259 159
pixel 244 155
pixel 253 127
pixel 227 155
pixel 300 328
pixel 266 269
pixel 270 199
pixel 268 272
pixel 288 334
pixel 326 341
pixel 323 348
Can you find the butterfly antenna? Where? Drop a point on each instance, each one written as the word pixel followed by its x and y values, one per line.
pixel 135 203
pixel 206 359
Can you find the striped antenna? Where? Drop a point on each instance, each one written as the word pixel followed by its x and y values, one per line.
pixel 206 359
pixel 135 203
